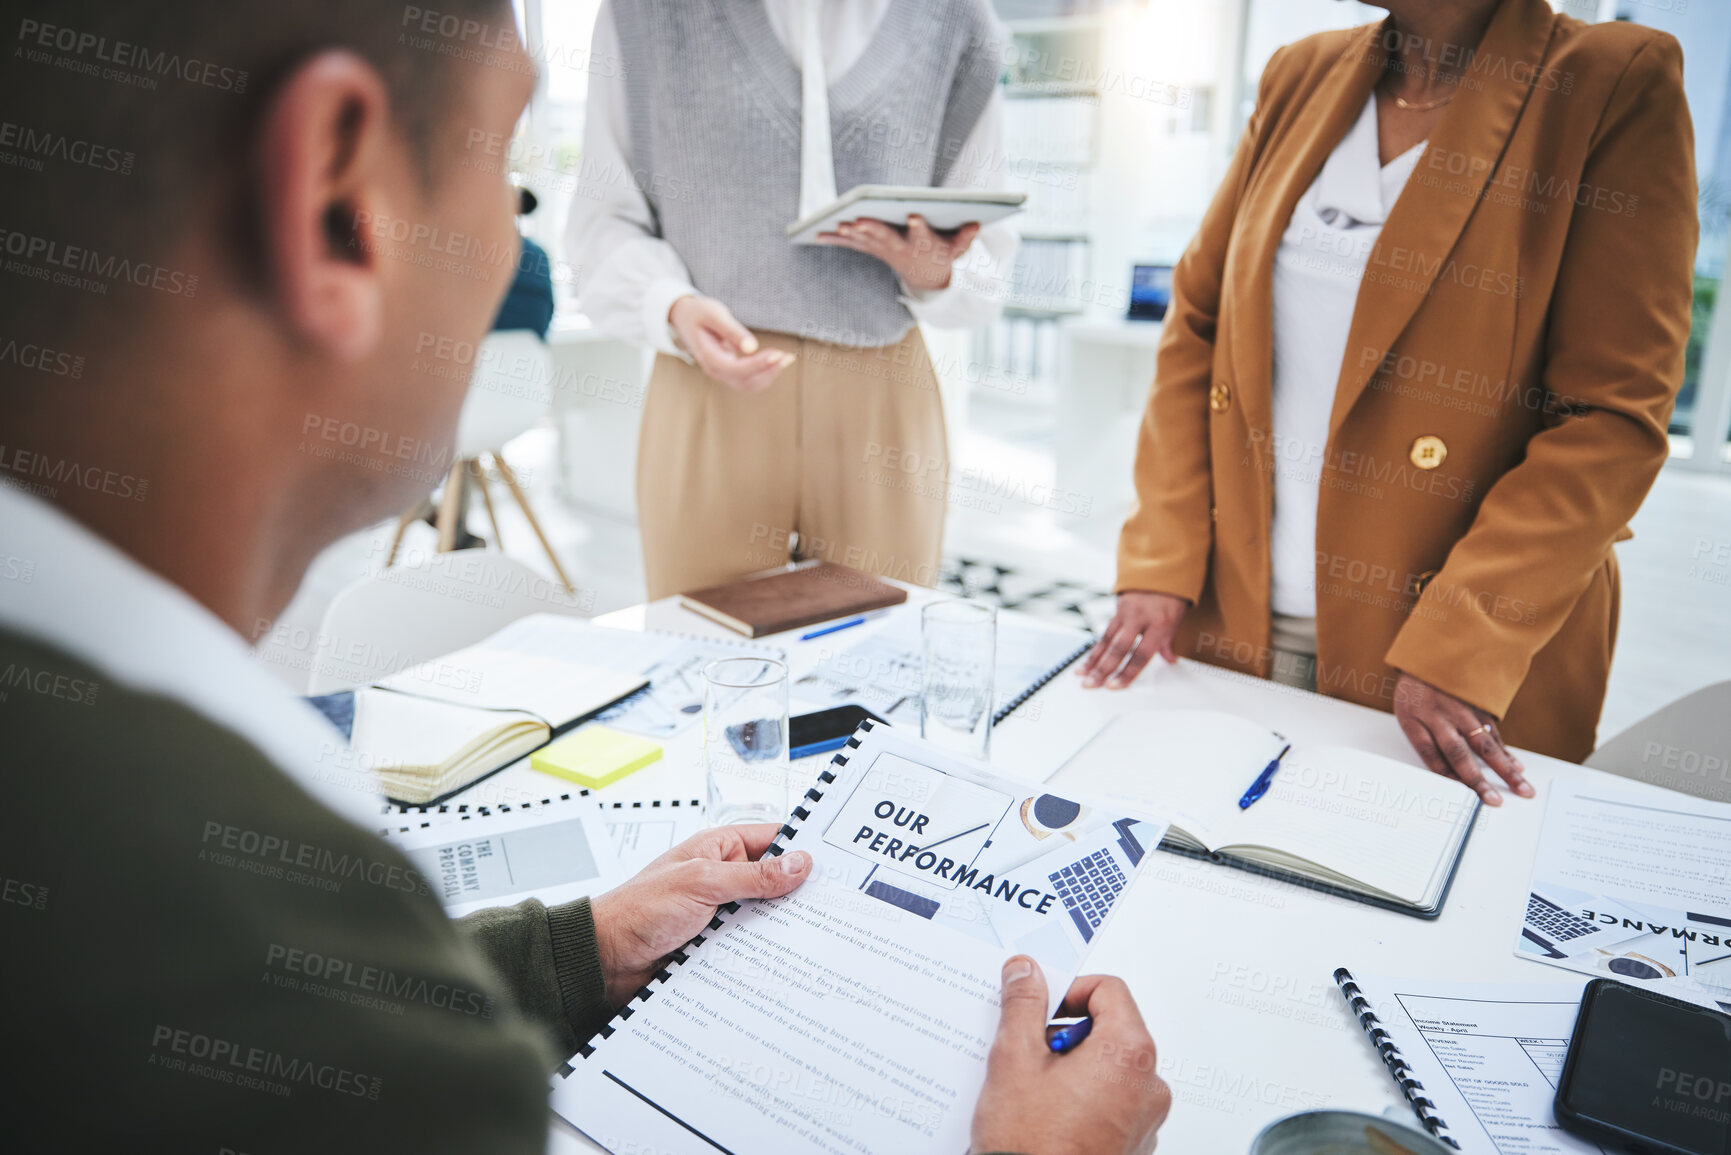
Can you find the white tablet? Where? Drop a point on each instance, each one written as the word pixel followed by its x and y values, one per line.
pixel 942 208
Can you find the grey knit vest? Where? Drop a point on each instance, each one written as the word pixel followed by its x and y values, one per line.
pixel 714 106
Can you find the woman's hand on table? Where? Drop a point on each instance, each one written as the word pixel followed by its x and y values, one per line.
pixel 1144 625
pixel 640 923
pixel 1454 737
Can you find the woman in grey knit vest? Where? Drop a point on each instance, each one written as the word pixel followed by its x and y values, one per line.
pixel 793 409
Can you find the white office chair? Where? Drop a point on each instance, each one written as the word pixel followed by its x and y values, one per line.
pixel 510 391
pixel 1685 746
pixel 399 617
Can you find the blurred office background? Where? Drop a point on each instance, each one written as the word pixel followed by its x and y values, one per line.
pixel 1120 118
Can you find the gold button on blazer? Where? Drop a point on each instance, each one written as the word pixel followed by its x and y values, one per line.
pixel 1501 409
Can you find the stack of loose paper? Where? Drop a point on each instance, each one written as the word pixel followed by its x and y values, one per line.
pixel 1633 882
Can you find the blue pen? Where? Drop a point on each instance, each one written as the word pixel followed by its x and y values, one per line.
pixel 850 623
pixel 1263 780
pixel 1068 1038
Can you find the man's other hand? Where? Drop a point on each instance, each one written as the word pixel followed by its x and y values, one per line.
pixel 1100 1098
pixel 722 347
pixel 639 924
pixel 1144 625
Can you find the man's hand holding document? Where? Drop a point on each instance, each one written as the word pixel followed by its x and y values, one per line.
pixel 861 1011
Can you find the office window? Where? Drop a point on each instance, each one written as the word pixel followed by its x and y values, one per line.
pixel 548 151
pixel 1702 422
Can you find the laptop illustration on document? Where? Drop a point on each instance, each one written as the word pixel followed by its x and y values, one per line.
pixel 1553 926
pixel 1081 880
pixel 1090 885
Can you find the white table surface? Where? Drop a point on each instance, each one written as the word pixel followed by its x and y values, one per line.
pixel 1232 971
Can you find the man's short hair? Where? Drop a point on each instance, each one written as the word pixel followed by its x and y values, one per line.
pixel 121 118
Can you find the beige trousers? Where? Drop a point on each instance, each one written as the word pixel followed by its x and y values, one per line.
pixel 843 459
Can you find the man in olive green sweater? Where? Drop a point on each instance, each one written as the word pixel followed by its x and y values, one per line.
pixel 251 234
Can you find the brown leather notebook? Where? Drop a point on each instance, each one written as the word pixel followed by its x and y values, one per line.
pixel 798 597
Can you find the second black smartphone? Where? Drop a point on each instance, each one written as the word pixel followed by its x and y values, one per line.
pixel 1647 1073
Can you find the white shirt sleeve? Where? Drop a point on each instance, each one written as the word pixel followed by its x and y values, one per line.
pixel 980 277
pixel 627 277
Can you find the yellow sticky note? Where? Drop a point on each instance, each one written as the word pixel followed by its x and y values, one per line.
pixel 595 756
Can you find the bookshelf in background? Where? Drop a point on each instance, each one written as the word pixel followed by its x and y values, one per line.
pixel 1110 126
pixel 1051 122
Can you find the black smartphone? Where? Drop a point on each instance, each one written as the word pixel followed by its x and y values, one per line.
pixel 1647 1073
pixel 824 730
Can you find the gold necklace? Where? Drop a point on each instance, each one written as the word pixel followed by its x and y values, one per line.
pixel 1408 106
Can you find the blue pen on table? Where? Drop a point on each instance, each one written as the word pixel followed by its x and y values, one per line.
pixel 1263 780
pixel 849 624
pixel 1069 1037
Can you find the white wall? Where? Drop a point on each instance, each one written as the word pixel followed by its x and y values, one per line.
pixel 1275 23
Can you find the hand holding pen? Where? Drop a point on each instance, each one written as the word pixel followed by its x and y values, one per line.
pixel 1105 1088
pixel 1070 1036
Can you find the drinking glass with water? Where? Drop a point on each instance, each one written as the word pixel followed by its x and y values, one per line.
pixel 745 740
pixel 959 642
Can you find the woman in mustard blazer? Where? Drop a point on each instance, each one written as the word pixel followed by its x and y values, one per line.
pixel 1513 345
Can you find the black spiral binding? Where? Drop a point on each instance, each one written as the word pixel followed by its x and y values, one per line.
pixel 789 830
pixel 1010 706
pixel 1410 1087
pixel 397 812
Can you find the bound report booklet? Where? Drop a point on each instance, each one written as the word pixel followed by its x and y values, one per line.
pixel 1334 818
pixel 855 1014
pixel 789 599
pixel 557 851
pixel 1478 1062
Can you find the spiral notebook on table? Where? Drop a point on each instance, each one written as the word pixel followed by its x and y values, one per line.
pixel 856 1013
pixel 1477 1062
pixel 884 671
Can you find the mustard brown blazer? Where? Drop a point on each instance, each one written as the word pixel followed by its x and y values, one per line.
pixel 1501 410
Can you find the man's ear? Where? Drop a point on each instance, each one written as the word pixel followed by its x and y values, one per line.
pixel 323 167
